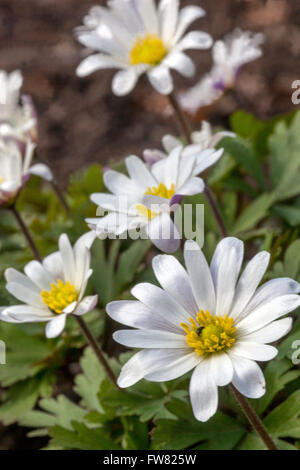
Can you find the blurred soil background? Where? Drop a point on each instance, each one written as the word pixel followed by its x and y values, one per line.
pixel 81 122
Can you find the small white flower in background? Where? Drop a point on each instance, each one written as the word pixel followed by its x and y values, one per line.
pixel 208 319
pixel 15 169
pixel 149 196
pixel 138 37
pixel 17 113
pixel 53 289
pixel 204 139
pixel 229 56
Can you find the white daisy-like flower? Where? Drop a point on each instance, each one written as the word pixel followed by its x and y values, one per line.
pixel 15 169
pixel 229 56
pixel 53 289
pixel 138 37
pixel 204 139
pixel 206 318
pixel 17 113
pixel 147 198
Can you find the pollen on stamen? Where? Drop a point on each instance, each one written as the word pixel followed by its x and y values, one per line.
pixel 208 334
pixel 59 296
pixel 148 50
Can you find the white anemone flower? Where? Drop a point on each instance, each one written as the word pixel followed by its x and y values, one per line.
pixel 206 318
pixel 53 289
pixel 229 56
pixel 17 113
pixel 15 169
pixel 138 37
pixel 204 139
pixel 147 198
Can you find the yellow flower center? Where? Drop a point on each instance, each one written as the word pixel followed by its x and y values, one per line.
pixel 208 334
pixel 60 296
pixel 2 180
pixel 148 50
pixel 162 191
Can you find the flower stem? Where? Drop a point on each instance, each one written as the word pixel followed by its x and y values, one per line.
pixel 90 338
pixel 182 119
pixel 97 350
pixel 185 127
pixel 60 196
pixel 26 233
pixel 254 419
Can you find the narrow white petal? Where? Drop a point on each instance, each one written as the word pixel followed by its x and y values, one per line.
pixel 187 16
pixel 254 351
pixel 170 142
pixel 96 62
pixel 221 369
pixel 248 377
pixel 55 326
pixel 119 184
pixel 137 315
pixel 206 159
pixel 159 300
pixel 148 13
pixel 181 63
pixel 27 313
pixel 270 333
pixel 139 173
pixel 41 170
pixel 146 362
pixel 269 312
pixel 68 260
pixel 200 276
pixel 225 268
pixel 39 275
pixel 164 234
pixel 175 369
pixel 86 305
pixel 174 279
pixel 53 264
pixel 160 78
pixel 195 40
pixel 249 281
pixel 150 339
pixel 124 82
pixel 12 275
pixel 168 16
pixel 203 392
pixel 192 187
pixel 22 293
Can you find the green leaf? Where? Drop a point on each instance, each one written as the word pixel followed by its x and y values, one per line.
pixel 289 214
pixel 284 420
pixel 254 213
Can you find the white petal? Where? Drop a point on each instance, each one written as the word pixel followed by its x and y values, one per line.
pixel 254 351
pixel 164 233
pixel 124 82
pixel 145 362
pixel 148 13
pixel 68 259
pixel 225 268
pixel 86 305
pixel 200 277
pixel 206 159
pixel 170 142
pixel 41 170
pixel 192 187
pixel 27 313
pixel 159 300
pixel 150 339
pixel 95 62
pixel 168 16
pixel 269 291
pixel 180 62
pixel 187 16
pixel 269 312
pixel 136 314
pixel 22 293
pixel 38 274
pixel 249 281
pixel 175 369
pixel 174 279
pixel 55 326
pixel 139 172
pixel 203 392
pixel 119 184
pixel 195 40
pixel 270 333
pixel 248 377
pixel 53 264
pixel 160 78
pixel 12 275
pixel 221 369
